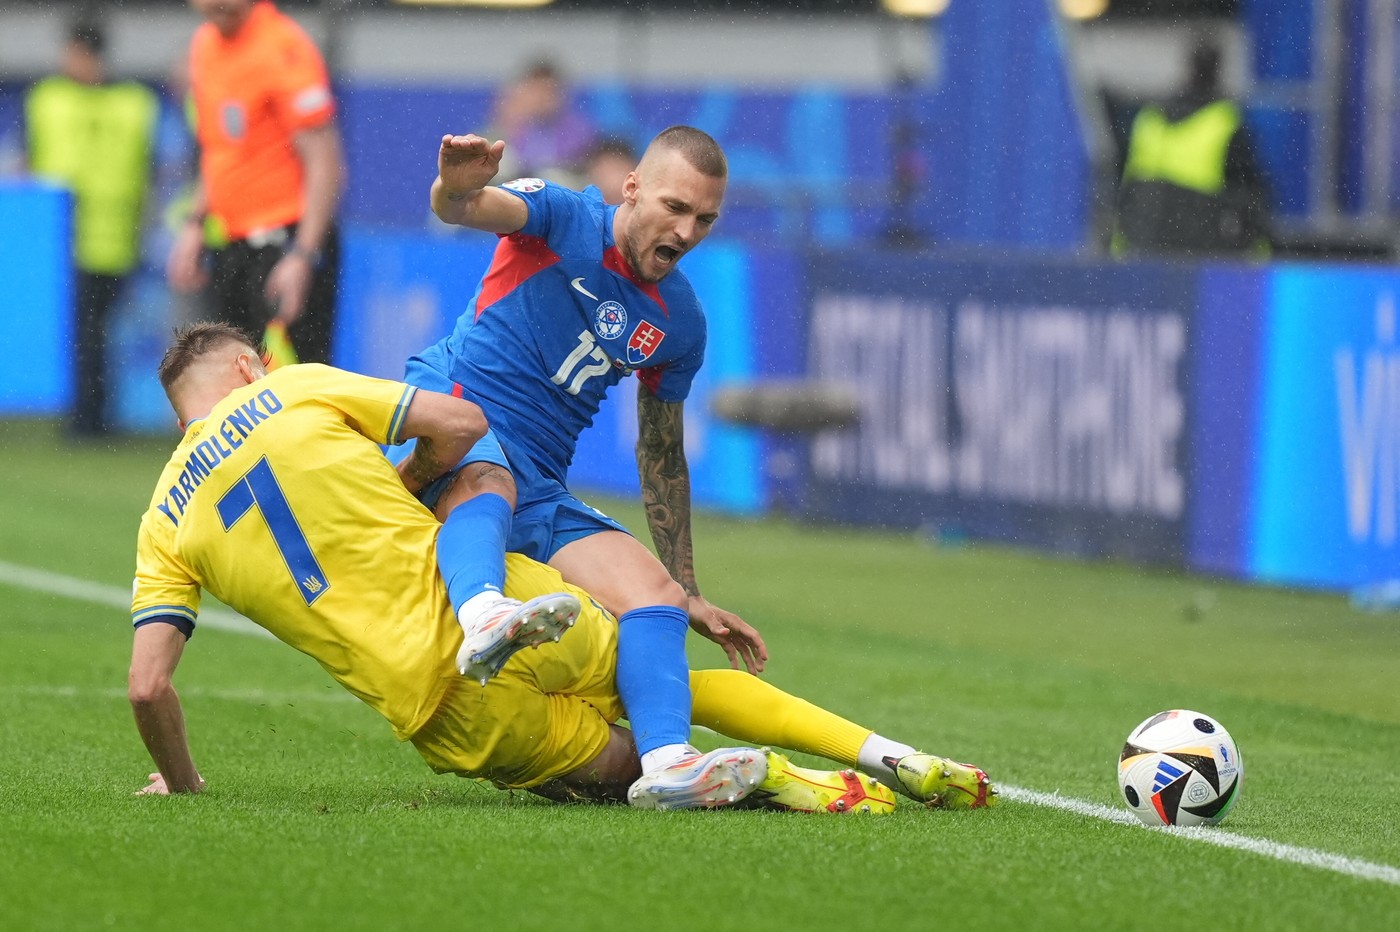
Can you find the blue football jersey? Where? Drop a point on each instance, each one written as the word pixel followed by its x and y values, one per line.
pixel 558 319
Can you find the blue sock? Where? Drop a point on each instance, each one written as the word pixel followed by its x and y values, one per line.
pixel 653 676
pixel 471 547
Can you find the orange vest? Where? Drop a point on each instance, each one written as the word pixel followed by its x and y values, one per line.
pixel 252 94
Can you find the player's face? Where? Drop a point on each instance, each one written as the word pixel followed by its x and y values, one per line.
pixel 672 207
pixel 226 15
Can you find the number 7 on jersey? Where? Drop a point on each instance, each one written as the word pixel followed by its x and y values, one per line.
pixel 258 488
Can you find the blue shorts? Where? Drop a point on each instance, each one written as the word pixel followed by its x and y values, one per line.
pixel 547 515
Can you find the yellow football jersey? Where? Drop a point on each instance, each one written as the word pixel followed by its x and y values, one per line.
pixel 281 504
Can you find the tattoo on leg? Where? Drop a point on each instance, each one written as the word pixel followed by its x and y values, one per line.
pixel 494 473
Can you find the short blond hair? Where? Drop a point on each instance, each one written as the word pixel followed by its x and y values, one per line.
pixel 697 147
pixel 195 341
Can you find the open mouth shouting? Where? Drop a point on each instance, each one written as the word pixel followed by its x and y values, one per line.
pixel 666 256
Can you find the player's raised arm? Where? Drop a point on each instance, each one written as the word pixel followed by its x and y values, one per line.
pixel 466 165
pixel 155 653
pixel 446 427
pixel 665 478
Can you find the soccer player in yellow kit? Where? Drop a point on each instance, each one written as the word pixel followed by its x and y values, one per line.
pixel 279 501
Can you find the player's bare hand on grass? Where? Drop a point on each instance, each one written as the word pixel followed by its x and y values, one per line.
pixel 739 639
pixel 157 787
pixel 468 163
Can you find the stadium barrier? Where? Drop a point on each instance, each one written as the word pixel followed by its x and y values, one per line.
pixel 1241 420
pixel 1297 436
pixel 36 301
pixel 1032 401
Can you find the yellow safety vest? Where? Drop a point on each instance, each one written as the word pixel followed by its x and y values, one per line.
pixel 1189 153
pixel 96 140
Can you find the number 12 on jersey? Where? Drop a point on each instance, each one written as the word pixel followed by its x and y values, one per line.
pixel 258 489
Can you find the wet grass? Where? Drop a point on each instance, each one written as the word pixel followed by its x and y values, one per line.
pixel 1032 667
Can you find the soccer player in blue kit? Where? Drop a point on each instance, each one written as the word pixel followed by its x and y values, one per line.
pixel 580 295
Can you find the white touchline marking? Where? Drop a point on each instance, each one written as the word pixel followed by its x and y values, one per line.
pixel 1308 857
pixel 27 577
pixel 113 596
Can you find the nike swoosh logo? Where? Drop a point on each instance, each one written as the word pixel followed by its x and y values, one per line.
pixel 578 286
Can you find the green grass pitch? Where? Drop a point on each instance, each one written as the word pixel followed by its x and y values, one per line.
pixel 1032 667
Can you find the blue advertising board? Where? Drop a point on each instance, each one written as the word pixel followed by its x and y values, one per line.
pixel 1327 493
pixel 1036 402
pixel 36 303
pixel 1296 439
pixel 1225 370
pixel 400 292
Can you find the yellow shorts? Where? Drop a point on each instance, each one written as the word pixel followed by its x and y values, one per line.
pixel 544 715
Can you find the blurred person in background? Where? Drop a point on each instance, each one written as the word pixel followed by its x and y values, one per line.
pixel 177 181
pixel 271 171
pixel 96 138
pixel 549 139
pixel 1190 184
pixel 607 165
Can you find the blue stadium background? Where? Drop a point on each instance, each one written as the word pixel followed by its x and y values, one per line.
pixel 1239 419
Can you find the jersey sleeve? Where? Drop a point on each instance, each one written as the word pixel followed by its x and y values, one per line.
pixel 164 590
pixel 301 90
pixel 376 408
pixel 550 205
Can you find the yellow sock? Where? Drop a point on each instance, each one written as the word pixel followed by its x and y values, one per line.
pixel 749 710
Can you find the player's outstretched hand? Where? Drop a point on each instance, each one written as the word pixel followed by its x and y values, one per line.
pixel 468 163
pixel 157 786
pixel 740 640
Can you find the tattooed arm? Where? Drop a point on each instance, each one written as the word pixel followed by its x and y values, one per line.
pixel 446 428
pixel 666 484
pixel 665 479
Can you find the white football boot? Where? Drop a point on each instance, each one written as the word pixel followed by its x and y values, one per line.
pixel 702 781
pixel 507 626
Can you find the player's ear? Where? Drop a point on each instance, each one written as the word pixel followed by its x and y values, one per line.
pixel 250 367
pixel 629 188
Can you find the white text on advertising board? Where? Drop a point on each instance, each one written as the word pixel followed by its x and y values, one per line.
pixel 1052 406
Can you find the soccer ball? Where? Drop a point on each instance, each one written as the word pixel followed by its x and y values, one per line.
pixel 1180 768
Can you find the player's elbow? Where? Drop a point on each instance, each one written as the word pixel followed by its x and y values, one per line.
pixel 440 207
pixel 468 422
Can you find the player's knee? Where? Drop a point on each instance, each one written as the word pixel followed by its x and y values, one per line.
pixel 674 595
pixel 144 691
pixel 661 592
pixel 476 479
